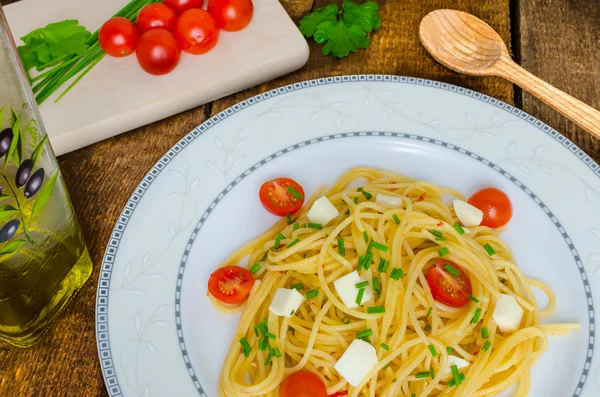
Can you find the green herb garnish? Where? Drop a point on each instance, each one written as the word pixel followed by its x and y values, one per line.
pixel 312 293
pixel 295 194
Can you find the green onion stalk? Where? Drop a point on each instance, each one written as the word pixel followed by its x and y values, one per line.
pixel 54 78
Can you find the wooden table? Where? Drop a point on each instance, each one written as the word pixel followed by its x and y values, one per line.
pixel 557 40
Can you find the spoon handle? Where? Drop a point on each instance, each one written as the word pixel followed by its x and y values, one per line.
pixel 578 112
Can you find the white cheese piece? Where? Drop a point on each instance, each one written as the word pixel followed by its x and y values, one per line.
pixel 507 313
pixel 356 183
pixel 347 291
pixel 356 362
pixel 286 302
pixel 468 215
pixel 388 201
pixel 322 211
pixel 453 360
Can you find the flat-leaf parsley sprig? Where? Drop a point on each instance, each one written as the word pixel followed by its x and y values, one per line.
pixel 342 31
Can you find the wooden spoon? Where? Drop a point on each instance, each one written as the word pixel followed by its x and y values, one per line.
pixel 466 44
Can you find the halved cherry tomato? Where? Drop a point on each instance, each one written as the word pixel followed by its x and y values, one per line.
pixel 231 284
pixel 231 15
pixel 196 31
pixel 282 196
pixel 118 37
pixel 156 15
pixel 303 384
pixel 181 6
pixel 158 52
pixel 495 204
pixel 447 288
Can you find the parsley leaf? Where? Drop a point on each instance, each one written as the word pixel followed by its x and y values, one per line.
pixel 54 43
pixel 343 31
pixel 309 24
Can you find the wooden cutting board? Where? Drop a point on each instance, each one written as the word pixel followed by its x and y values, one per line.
pixel 117 95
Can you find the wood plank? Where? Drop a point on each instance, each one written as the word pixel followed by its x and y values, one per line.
pixel 560 43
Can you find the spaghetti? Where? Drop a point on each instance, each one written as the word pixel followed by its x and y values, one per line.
pixel 416 337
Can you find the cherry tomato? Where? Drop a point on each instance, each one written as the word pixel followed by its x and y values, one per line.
pixel 118 37
pixel 181 6
pixel 158 52
pixel 231 284
pixel 495 204
pixel 156 15
pixel 448 288
pixel 196 31
pixel 231 15
pixel 282 196
pixel 303 384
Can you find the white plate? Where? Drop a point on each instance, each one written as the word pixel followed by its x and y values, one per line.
pixel 157 332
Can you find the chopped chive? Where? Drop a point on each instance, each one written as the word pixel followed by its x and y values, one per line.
pixel 472 298
pixel 396 219
pixel 315 226
pixel 298 286
pixel 256 332
pixel 503 281
pixel 268 360
pixel 364 334
pixel 362 284
pixel 378 246
pixel 359 189
pixel 376 309
pixel 429 312
pixel 262 345
pixel 427 328
pixel 395 380
pixel 434 353
pixel 440 239
pixel 451 383
pixel 277 242
pixel 413 395
pixel 292 312
pixel 366 236
pixel 424 374
pixel 396 274
pixel 341 247
pixel 443 251
pixel 459 229
pixel 261 327
pixel 361 293
pixel 489 249
pixel 485 333
pixel 462 377
pixel 288 219
pixel 432 372
pixel 245 346
pixel 486 345
pixel 293 242
pixel 355 200
pixel 383 265
pixel 346 320
pixel 436 233
pixel 451 269
pixel 276 352
pixel 255 268
pixel 449 349
pixel 376 286
pixel 296 226
pixel 367 195
pixel 360 263
pixel 265 256
pixel 477 315
pixel 313 293
pixel 364 262
pixel 386 366
pixel 455 375
pixel 384 346
pixel 270 335
pixel 280 236
pixel 296 194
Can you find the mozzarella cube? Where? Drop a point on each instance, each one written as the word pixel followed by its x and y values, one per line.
pixel 356 183
pixel 388 201
pixel 507 313
pixel 286 302
pixel 347 291
pixel 322 211
pixel 357 362
pixel 453 360
pixel 467 214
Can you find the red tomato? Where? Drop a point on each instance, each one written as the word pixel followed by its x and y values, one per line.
pixel 156 15
pixel 158 52
pixel 495 204
pixel 231 284
pixel 447 288
pixel 303 384
pixel 196 32
pixel 181 6
pixel 282 196
pixel 231 15
pixel 118 37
